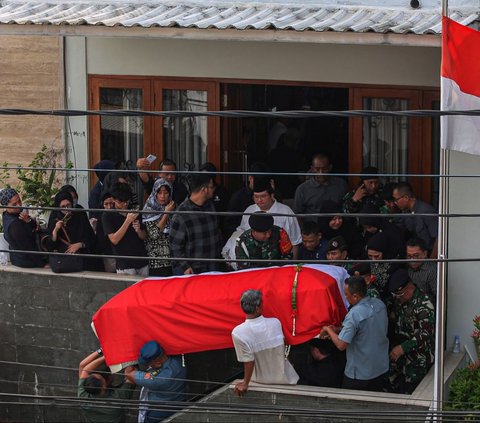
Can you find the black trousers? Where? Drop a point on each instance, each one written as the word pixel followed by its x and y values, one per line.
pixel 377 384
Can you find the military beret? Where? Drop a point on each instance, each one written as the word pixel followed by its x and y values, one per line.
pixel 150 351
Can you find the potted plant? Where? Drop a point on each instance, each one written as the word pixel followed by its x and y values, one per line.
pixel 465 387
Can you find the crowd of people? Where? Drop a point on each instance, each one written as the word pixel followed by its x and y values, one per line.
pixel 389 329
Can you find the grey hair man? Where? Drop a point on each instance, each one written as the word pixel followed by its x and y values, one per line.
pixel 259 344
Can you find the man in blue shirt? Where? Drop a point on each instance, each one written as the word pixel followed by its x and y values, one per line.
pixel 164 380
pixel 313 246
pixel 364 336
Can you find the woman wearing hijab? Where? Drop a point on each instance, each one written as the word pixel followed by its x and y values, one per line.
pixel 71 189
pixel 20 230
pixel 69 231
pixel 157 224
pixel 372 225
pixel 333 225
pixel 379 248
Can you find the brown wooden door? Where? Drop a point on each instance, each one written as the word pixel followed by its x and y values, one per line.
pixel 121 139
pixel 189 141
pixel 393 144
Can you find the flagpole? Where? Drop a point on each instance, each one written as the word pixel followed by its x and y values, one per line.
pixel 438 393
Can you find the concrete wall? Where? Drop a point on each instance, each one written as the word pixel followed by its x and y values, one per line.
pixel 31 77
pixel 268 403
pixel 45 321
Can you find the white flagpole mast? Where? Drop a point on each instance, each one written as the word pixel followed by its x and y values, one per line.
pixel 438 393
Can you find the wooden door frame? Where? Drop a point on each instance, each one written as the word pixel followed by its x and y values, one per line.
pixel 95 83
pixel 415 145
pixel 214 146
pixel 428 97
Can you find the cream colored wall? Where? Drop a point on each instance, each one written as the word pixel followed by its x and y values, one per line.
pixel 463 292
pixel 31 77
pixel 377 65
pixel 76 99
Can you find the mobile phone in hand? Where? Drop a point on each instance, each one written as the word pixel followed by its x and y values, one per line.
pixel 151 158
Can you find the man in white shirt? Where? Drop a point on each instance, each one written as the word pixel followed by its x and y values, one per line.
pixel 259 344
pixel 265 201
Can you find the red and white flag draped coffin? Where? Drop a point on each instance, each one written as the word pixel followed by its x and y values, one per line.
pixel 196 313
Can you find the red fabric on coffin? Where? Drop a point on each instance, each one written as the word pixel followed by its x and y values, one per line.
pixel 198 312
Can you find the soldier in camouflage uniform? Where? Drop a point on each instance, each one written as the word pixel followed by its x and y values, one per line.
pixel 337 249
pixel 366 194
pixel 264 241
pixel 412 352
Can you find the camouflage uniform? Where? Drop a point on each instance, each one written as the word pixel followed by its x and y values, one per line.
pixel 350 206
pixel 414 331
pixel 277 247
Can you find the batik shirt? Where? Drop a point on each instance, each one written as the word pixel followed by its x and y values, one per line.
pixel 350 206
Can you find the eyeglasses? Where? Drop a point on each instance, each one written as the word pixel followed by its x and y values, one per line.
pixel 396 200
pixel 414 256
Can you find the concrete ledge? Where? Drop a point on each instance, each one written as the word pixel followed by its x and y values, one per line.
pixel 317 398
pixel 82 275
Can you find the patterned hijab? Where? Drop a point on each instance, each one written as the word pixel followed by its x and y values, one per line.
pixel 153 208
pixel 6 194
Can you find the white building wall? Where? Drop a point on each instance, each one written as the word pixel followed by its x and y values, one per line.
pixel 378 65
pixel 76 99
pixel 463 293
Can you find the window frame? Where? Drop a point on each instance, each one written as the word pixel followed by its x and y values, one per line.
pixel 95 84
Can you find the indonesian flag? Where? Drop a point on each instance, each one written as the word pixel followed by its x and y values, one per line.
pixel 198 312
pixel 460 86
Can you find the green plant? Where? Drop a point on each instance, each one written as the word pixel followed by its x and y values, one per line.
pixel 40 182
pixel 4 176
pixel 465 390
pixel 476 332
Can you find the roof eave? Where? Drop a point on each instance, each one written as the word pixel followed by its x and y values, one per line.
pixel 211 34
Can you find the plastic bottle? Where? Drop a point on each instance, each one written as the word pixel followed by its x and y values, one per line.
pixel 456 344
pixel 3 258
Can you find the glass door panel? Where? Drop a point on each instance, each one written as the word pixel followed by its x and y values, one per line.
pixel 121 138
pixel 185 138
pixel 385 138
pixel 393 144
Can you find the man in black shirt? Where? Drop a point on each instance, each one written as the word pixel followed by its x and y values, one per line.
pixel 326 366
pixel 126 233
